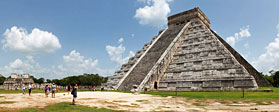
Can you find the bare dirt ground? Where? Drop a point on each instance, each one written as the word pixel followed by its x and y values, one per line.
pixel 132 102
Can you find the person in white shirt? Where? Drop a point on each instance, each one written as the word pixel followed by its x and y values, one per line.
pixel 53 89
pixel 29 88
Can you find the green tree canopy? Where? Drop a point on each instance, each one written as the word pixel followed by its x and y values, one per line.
pixel 2 79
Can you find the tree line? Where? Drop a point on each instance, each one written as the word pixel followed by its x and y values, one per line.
pixel 273 78
pixel 85 80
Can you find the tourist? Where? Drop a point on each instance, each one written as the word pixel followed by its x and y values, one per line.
pixel 23 90
pixel 53 89
pixel 69 88
pixel 102 89
pixel 74 93
pixel 29 89
pixel 46 90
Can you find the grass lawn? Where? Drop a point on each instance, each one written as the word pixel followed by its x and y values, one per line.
pixel 65 107
pixel 222 94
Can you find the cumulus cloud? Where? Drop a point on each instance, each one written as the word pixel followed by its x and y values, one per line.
pixel 116 53
pixel 120 40
pixel 244 32
pixel 154 13
pixel 73 64
pixel 24 66
pixel 269 60
pixel 231 40
pixel 38 41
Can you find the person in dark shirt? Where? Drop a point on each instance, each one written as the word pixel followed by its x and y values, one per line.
pixel 69 88
pixel 74 93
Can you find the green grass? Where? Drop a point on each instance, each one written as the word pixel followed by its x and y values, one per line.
pixel 141 100
pixel 6 102
pixel 66 107
pixel 197 104
pixel 269 88
pixel 5 91
pixel 222 94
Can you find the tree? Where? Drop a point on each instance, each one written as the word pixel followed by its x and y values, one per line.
pixel 85 80
pixel 273 78
pixel 2 79
pixel 48 80
pixel 276 78
pixel 40 80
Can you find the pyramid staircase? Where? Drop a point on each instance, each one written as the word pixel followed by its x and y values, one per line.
pixel 187 56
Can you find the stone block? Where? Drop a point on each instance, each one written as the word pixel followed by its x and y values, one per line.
pixel 213 83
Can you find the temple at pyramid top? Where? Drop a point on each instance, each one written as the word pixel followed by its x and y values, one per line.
pixel 187 56
pixel 186 16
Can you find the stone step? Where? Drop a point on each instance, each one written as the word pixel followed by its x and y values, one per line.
pixel 147 62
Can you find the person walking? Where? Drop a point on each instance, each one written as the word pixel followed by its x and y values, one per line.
pixel 69 88
pixel 53 89
pixel 74 93
pixel 29 89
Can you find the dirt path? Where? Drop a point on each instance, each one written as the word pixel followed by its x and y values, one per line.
pixel 132 102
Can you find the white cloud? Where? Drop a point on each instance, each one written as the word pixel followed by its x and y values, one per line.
pixel 277 30
pixel 231 40
pixel 269 60
pixel 73 64
pixel 155 15
pixel 120 40
pixel 38 41
pixel 116 52
pixel 244 32
pixel 25 66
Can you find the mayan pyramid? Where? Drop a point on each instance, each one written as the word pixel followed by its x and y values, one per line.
pixel 187 56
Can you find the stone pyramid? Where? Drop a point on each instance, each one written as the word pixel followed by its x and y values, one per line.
pixel 187 56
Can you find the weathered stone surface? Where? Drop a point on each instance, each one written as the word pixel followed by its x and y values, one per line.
pixel 147 62
pixel 114 80
pixel 17 81
pixel 188 56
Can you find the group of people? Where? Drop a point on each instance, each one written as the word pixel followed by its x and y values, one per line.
pixel 29 89
pixel 52 89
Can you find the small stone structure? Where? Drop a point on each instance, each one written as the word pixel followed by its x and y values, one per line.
pixel 18 81
pixel 187 56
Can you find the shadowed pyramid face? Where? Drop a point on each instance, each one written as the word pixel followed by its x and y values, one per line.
pixel 187 56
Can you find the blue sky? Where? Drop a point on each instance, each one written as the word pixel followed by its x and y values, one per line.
pixel 54 39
